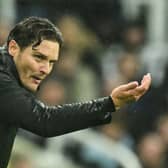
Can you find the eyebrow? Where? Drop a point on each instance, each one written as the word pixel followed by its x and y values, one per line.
pixel 44 56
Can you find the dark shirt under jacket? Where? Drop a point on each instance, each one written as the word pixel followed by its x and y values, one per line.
pixel 20 109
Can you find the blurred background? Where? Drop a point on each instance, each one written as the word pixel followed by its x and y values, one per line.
pixel 107 43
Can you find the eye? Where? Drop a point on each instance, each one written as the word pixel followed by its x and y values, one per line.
pixel 38 57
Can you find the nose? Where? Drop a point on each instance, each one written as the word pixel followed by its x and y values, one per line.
pixel 45 68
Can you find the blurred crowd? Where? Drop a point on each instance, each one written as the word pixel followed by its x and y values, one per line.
pixel 102 49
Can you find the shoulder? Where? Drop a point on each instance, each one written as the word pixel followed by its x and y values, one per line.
pixel 12 92
pixel 7 85
pixel 3 53
pixel 5 77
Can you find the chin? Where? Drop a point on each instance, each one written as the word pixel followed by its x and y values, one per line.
pixel 32 88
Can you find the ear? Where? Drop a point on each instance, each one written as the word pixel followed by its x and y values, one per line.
pixel 13 48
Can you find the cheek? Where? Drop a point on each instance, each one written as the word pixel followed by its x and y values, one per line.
pixel 30 66
pixel 34 66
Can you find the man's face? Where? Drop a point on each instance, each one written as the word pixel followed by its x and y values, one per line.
pixel 33 65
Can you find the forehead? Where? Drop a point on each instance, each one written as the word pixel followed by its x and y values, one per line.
pixel 48 48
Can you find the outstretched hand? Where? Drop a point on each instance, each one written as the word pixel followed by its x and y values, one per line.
pixel 130 92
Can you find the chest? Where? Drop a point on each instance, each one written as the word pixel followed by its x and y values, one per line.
pixel 7 136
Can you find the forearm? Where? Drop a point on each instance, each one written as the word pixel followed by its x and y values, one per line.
pixel 24 111
pixel 57 120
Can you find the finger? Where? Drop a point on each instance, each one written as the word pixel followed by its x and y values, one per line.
pixel 138 91
pixel 135 95
pixel 140 94
pixel 145 84
pixel 130 99
pixel 130 93
pixel 131 85
pixel 146 81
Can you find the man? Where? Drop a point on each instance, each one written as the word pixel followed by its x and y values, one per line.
pixel 28 57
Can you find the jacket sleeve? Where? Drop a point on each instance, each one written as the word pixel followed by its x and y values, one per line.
pixel 18 107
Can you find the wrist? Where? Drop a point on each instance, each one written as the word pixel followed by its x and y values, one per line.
pixel 115 102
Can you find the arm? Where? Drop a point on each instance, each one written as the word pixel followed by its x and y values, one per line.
pixel 24 111
pixel 20 108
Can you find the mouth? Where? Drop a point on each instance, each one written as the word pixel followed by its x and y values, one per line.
pixel 37 80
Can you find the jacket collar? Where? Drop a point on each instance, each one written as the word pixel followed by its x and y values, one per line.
pixel 9 65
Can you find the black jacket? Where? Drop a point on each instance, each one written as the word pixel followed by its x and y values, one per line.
pixel 20 109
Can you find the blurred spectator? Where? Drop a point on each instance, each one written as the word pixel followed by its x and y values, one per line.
pixel 78 65
pixel 109 146
pixel 109 13
pixel 151 151
pixel 20 161
pixel 155 59
pixel 123 59
pixel 4 27
pixel 77 36
pixel 162 127
pixel 27 8
pixel 128 68
pixel 133 36
pixel 52 92
pixel 99 151
pixel 117 131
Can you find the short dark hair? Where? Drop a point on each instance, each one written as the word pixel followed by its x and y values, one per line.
pixel 32 30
